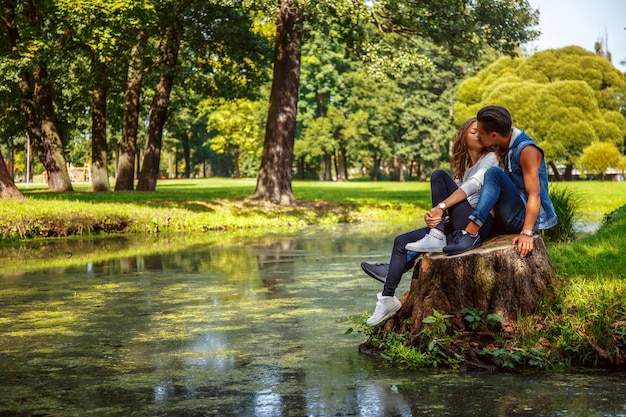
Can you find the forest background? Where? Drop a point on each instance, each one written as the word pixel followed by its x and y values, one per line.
pixel 328 90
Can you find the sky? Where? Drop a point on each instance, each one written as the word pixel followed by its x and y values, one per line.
pixel 582 22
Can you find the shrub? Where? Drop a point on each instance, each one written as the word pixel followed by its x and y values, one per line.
pixel 566 205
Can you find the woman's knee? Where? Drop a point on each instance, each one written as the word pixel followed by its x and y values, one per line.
pixel 437 175
pixel 400 242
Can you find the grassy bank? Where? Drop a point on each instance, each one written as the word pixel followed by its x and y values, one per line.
pixel 199 206
pixel 204 205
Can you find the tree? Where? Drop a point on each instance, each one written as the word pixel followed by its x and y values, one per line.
pixel 125 178
pixel 100 30
pixel 7 186
pixel 565 99
pixel 274 176
pixel 464 28
pixel 598 157
pixel 238 133
pixel 152 154
pixel 371 112
pixel 30 41
pixel 225 57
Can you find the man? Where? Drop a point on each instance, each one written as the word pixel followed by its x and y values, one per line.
pixel 518 194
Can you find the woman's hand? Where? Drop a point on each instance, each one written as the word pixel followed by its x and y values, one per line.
pixel 433 216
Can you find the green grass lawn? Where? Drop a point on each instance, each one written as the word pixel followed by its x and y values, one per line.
pixel 200 205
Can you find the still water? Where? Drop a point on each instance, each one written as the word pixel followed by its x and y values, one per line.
pixel 246 327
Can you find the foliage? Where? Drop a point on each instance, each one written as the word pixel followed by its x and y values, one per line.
pixel 566 205
pixel 225 54
pixel 464 28
pixel 516 358
pixel 440 324
pixel 237 130
pixel 598 157
pixel 474 317
pixel 394 348
pixel 566 99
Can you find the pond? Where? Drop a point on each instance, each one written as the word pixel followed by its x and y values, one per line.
pixel 247 326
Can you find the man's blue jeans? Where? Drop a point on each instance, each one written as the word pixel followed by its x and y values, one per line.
pixel 500 193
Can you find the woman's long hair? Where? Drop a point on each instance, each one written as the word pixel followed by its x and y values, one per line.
pixel 460 157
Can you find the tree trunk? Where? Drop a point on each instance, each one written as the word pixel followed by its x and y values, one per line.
pixel 375 173
pixel 275 174
pixel 568 175
pixel 555 170
pixel 328 167
pixel 125 178
pixel 99 159
pixel 494 279
pixel 236 162
pixel 55 163
pixel 152 154
pixel 33 125
pixel 7 186
pixel 37 107
pixel 342 172
pixel 186 153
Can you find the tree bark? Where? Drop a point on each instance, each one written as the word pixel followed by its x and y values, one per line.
pixel 55 163
pixel 494 279
pixel 158 114
pixel 186 152
pixel 275 174
pixel 342 172
pixel 7 186
pixel 555 171
pixel 33 125
pixel 125 172
pixel 328 167
pixel 99 159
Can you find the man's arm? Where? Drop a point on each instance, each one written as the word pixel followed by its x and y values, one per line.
pixel 530 160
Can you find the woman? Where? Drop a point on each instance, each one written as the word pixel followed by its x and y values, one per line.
pixel 453 201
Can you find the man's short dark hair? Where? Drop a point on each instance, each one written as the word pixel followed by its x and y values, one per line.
pixel 495 119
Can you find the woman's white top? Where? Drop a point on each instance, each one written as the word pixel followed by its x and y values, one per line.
pixel 475 175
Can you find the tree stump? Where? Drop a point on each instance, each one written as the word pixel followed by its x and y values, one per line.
pixel 493 278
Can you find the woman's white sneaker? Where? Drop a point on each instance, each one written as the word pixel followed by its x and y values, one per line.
pixel 386 306
pixel 434 241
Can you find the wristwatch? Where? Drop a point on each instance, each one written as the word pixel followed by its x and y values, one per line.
pixel 527 232
pixel 442 206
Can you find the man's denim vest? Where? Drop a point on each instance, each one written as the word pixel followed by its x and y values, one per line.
pixel 547 216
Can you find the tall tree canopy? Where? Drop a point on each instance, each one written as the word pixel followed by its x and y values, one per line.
pixel 88 77
pixel 463 27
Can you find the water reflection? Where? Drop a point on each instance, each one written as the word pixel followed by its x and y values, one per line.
pixel 244 328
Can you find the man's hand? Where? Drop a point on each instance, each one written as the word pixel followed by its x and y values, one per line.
pixel 524 244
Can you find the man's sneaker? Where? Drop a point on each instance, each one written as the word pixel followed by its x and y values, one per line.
pixel 434 241
pixel 376 271
pixel 462 242
pixel 386 306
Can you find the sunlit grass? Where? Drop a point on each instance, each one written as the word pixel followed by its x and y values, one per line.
pixel 215 204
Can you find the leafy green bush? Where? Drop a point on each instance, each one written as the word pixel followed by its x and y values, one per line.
pixel 566 205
